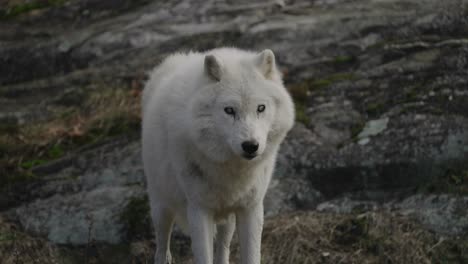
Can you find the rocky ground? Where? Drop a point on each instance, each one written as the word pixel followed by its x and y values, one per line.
pixel 380 145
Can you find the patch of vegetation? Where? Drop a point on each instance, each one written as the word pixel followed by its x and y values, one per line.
pixel 411 94
pixel 301 115
pixel 321 83
pixel 452 179
pixel 351 231
pixel 300 91
pixel 27 6
pixel 18 247
pixel 104 114
pixel 7 237
pixel 9 128
pixel 32 163
pixel 356 129
pixel 358 238
pixel 136 218
pixel 113 125
pixel 343 59
pixel 375 108
pixel 55 152
pixel 331 79
pixel 451 251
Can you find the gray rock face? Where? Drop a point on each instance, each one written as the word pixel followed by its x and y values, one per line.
pixel 79 218
pixel 385 101
pixel 84 202
pixel 444 214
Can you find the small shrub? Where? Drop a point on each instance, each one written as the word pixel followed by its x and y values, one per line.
pixel 136 218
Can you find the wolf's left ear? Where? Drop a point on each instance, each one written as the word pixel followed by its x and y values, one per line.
pixel 266 63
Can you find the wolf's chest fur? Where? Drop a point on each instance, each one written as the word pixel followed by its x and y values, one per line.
pixel 228 187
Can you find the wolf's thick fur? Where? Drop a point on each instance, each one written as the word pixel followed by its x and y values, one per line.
pixel 212 126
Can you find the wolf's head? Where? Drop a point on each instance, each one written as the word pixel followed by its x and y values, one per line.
pixel 244 110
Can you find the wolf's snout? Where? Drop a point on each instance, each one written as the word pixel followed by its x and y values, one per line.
pixel 250 147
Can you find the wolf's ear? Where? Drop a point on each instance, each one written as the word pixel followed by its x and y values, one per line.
pixel 213 67
pixel 265 61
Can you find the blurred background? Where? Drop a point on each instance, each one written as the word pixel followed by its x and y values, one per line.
pixel 374 171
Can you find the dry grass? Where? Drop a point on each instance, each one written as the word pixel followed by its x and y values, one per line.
pixel 287 239
pixel 312 238
pixel 102 114
pixel 17 247
pixel 323 238
pixel 367 238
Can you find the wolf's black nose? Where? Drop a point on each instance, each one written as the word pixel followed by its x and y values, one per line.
pixel 250 147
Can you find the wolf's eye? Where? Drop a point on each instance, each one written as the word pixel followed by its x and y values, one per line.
pixel 261 108
pixel 229 111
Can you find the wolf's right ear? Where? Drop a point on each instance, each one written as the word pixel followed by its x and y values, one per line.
pixel 213 67
pixel 266 63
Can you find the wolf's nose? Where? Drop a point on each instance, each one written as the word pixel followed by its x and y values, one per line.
pixel 250 147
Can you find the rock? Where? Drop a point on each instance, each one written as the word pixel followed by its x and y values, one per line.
pixel 84 201
pixel 333 122
pixel 79 218
pixel 445 214
pixel 373 127
pixel 346 205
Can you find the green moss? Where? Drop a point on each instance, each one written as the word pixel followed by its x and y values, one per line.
pixel 343 59
pixel 375 108
pixel 32 163
pixel 55 152
pixel 7 236
pixel 299 91
pixel 331 79
pixel 452 179
pixel 136 218
pixel 321 83
pixel 344 76
pixel 411 95
pixel 301 115
pixel 9 128
pixel 356 129
pixel 26 7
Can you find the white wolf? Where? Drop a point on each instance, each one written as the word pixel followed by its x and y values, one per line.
pixel 212 126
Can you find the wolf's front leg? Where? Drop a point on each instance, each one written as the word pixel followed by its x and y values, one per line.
pixel 249 228
pixel 223 240
pixel 163 220
pixel 201 227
